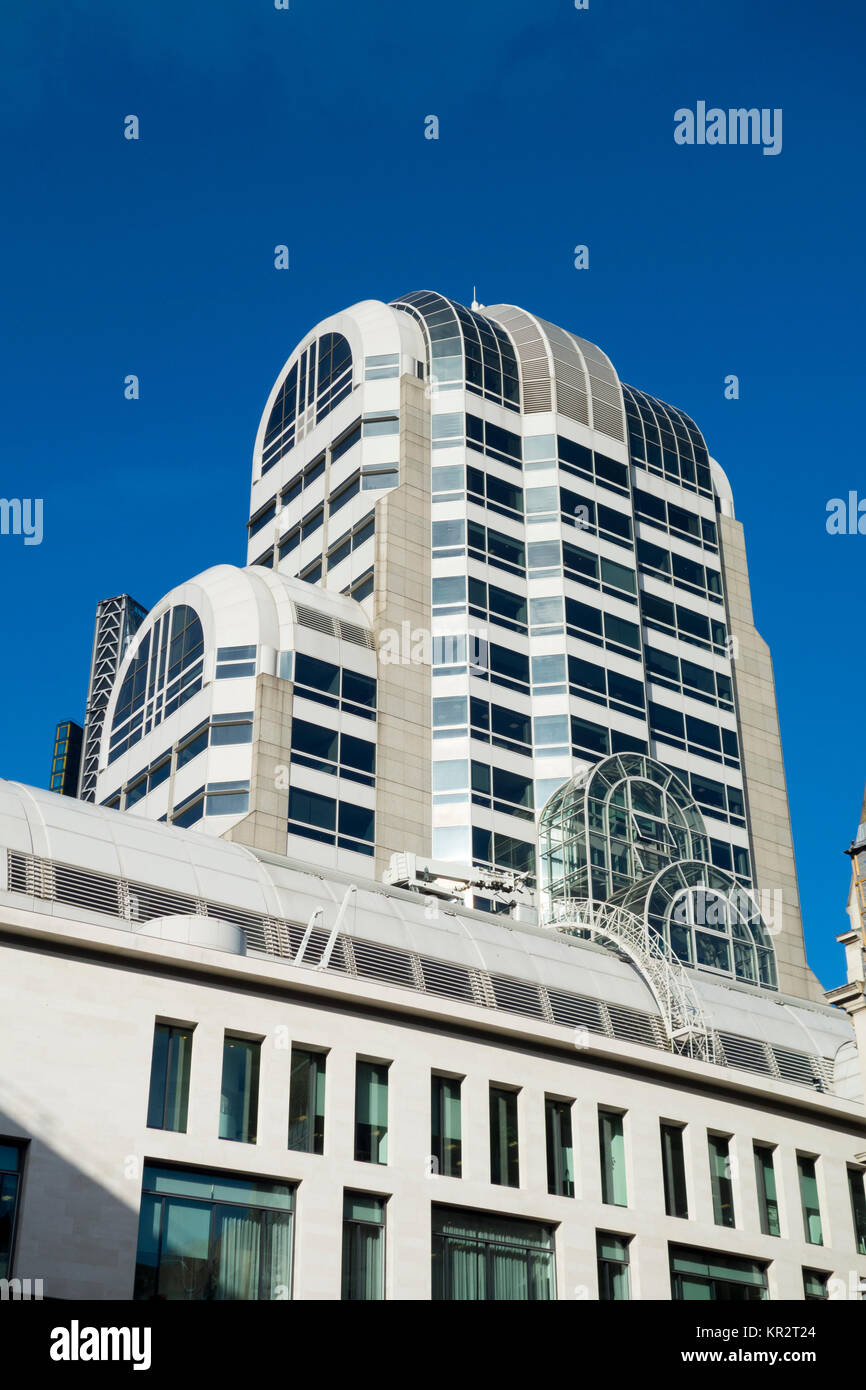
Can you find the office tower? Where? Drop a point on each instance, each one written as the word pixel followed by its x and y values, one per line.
pixel 117 621
pixel 66 758
pixel 548 566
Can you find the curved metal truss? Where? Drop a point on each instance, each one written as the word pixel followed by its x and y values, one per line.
pixel 683 1016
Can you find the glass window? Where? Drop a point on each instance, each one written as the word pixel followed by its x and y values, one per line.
pixel 356 822
pixel 450 589
pixel 815 1285
pixel 450 711
pixel 613 1280
pixel 213 1235
pixel 612 1149
pixel 765 1176
pixel 720 1178
pixel 857 1189
pixel 307 1101
pixel 239 1103
pixel 311 809
pixel 708 1275
pixel 371 1112
pixel 10 1178
pixel 560 1149
pixel 445 1126
pixel 478 1256
pixel 504 1157
pixel 451 776
pixel 809 1198
pixel 363 1247
pixel 169 1078
pixel 674 1171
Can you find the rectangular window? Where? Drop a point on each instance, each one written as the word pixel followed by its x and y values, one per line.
pixel 720 1178
pixel 213 1236
pixel 857 1188
pixel 809 1198
pixel 10 1180
pixel 613 1280
pixel 674 1171
pixel 239 1103
pixel 307 1101
pixel 481 1257
pixel 504 1158
pixel 815 1285
pixel 612 1149
pixel 169 1078
pixel 363 1247
pixel 765 1176
pixel 445 1130
pixel 707 1275
pixel 560 1149
pixel 371 1112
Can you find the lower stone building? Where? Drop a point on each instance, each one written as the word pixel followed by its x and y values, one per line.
pixel 228 1074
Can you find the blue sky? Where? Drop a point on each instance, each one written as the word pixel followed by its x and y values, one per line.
pixel 306 127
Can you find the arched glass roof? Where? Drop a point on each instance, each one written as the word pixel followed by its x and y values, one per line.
pixel 165 672
pixel 628 831
pixel 706 919
pixel 666 441
pixel 314 384
pixel 614 823
pixel 466 348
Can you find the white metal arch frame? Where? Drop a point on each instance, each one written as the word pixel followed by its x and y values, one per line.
pixel 682 1013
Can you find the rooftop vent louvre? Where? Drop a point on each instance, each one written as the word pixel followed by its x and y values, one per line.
pixel 378 962
pixel 798 1067
pixel 449 980
pixel 575 1012
pixel 81 888
pixel 311 617
pixel 746 1053
pixel 147 902
pixel 517 996
pixel 630 1025
pixel 350 632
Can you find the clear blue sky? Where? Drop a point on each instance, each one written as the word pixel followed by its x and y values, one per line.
pixel 305 127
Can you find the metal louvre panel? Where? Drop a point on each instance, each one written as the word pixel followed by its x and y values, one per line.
pixel 604 391
pixel 147 902
pixel 572 404
pixel 630 1025
pixel 445 978
pixel 517 996
pixel 383 963
pixel 608 420
pixel 311 617
pixel 569 373
pixel 17 866
pixel 798 1067
pixel 349 632
pixel 532 358
pixel 81 888
pixel 536 397
pixel 573 1011
pixel 746 1053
